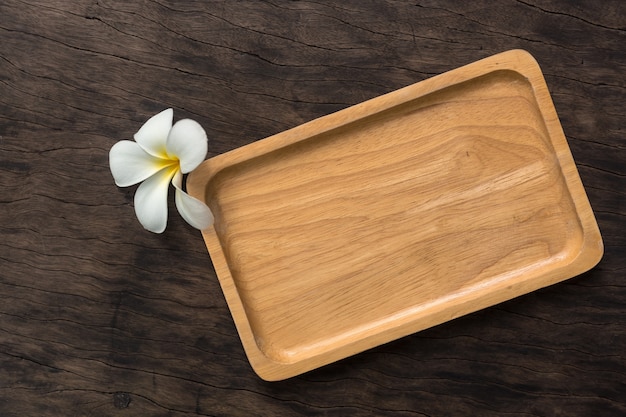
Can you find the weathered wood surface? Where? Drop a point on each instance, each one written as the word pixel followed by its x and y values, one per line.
pixel 100 318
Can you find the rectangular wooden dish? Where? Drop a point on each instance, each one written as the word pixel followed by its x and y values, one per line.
pixel 396 214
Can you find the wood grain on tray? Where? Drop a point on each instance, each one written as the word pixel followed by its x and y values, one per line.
pixel 396 214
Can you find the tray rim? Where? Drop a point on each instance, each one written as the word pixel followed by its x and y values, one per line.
pixel 519 61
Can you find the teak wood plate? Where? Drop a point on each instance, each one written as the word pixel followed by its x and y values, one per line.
pixel 396 214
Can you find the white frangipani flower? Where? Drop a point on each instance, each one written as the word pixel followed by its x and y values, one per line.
pixel 161 154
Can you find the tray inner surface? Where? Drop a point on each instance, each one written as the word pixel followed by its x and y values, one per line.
pixel 346 231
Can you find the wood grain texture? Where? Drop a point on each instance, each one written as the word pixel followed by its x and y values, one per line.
pixel 395 215
pixel 99 317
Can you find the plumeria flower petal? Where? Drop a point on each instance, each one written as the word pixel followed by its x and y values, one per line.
pixel 151 200
pixel 187 140
pixel 194 211
pixel 153 134
pixel 161 155
pixel 130 164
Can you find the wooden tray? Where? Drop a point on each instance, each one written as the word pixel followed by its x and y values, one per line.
pixel 397 214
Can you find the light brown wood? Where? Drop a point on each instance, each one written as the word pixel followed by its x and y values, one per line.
pixel 395 215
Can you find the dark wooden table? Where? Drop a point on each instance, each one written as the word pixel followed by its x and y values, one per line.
pixel 101 318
